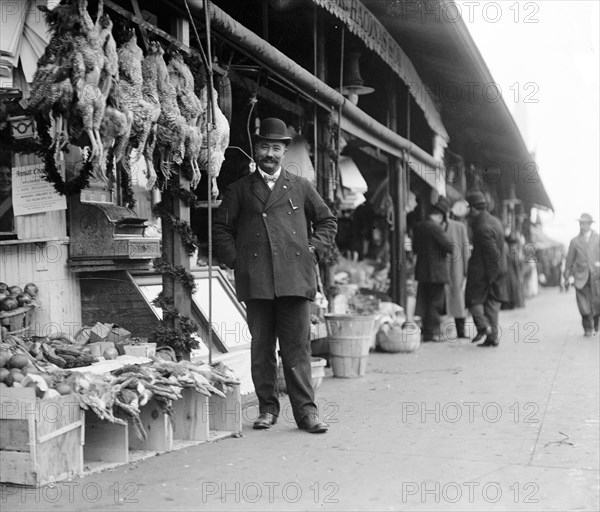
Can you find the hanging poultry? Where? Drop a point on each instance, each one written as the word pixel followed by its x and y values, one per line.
pixel 219 140
pixel 145 113
pixel 52 91
pixel 172 126
pixel 191 108
pixel 150 96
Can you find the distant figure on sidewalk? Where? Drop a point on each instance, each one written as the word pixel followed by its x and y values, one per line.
pixel 514 277
pixel 431 245
pixel 486 275
pixel 583 264
pixel 459 260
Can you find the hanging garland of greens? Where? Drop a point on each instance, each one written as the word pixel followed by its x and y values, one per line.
pixel 188 238
pixel 187 196
pixel 41 147
pixel 162 266
pixel 180 340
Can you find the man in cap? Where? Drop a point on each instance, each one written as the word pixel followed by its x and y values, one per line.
pixel 583 265
pixel 270 228
pixel 486 272
pixel 431 245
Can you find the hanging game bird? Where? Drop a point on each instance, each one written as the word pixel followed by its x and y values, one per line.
pixel 219 140
pixel 145 113
pixel 191 108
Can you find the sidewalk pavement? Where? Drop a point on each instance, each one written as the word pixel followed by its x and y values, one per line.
pixel 450 427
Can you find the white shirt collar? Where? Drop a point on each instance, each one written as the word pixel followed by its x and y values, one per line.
pixel 275 175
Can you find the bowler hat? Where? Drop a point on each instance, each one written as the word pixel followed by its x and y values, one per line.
pixel 585 217
pixel 476 199
pixel 442 205
pixel 273 129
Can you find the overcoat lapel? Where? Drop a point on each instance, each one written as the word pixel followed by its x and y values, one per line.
pixel 282 186
pixel 260 188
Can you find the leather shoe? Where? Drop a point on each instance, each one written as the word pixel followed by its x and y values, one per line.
pixel 313 425
pixel 489 343
pixel 264 421
pixel 481 333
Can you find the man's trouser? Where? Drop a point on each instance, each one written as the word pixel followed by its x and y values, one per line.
pixel 431 298
pixel 286 319
pixel 588 305
pixel 486 315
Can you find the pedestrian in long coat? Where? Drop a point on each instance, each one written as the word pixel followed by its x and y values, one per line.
pixel 270 228
pixel 583 263
pixel 431 245
pixel 458 264
pixel 486 274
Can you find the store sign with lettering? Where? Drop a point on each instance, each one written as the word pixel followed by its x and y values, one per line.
pixel 31 193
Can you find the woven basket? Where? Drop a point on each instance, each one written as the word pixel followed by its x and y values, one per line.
pixel 18 320
pixel 397 339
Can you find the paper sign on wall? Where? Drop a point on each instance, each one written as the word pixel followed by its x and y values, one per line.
pixel 31 193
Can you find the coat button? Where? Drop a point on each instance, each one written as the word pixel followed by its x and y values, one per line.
pixel 297 253
pixel 264 214
pixel 285 186
pixel 293 232
pixel 289 213
pixel 257 234
pixel 255 255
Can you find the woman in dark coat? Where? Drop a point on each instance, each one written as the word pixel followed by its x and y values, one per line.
pixel 514 277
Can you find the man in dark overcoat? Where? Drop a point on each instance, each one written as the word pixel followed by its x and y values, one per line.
pixel 583 265
pixel 486 273
pixel 270 228
pixel 431 245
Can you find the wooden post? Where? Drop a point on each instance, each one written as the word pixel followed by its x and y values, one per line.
pixel 173 250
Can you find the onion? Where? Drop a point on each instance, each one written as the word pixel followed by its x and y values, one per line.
pixel 31 289
pixel 23 299
pixel 8 304
pixel 15 290
pixel 4 288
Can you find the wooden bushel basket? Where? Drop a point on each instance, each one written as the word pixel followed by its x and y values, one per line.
pixel 18 320
pixel 350 338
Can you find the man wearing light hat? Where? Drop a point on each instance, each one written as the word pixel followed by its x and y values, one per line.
pixel 486 273
pixel 583 264
pixel 271 227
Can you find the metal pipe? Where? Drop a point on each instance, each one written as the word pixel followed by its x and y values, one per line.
pixel 280 64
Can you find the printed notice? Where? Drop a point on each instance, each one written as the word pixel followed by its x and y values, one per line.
pixel 32 193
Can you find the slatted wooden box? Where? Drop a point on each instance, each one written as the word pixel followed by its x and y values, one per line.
pixel 41 440
pixel 191 416
pixel 158 428
pixel 225 414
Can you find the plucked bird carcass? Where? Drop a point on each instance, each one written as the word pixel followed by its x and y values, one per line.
pixel 219 139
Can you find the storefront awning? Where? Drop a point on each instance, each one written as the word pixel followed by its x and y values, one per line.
pixel 351 176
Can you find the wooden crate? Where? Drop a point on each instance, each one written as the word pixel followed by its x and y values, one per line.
pixel 226 413
pixel 158 428
pixel 105 441
pixel 191 416
pixel 41 441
